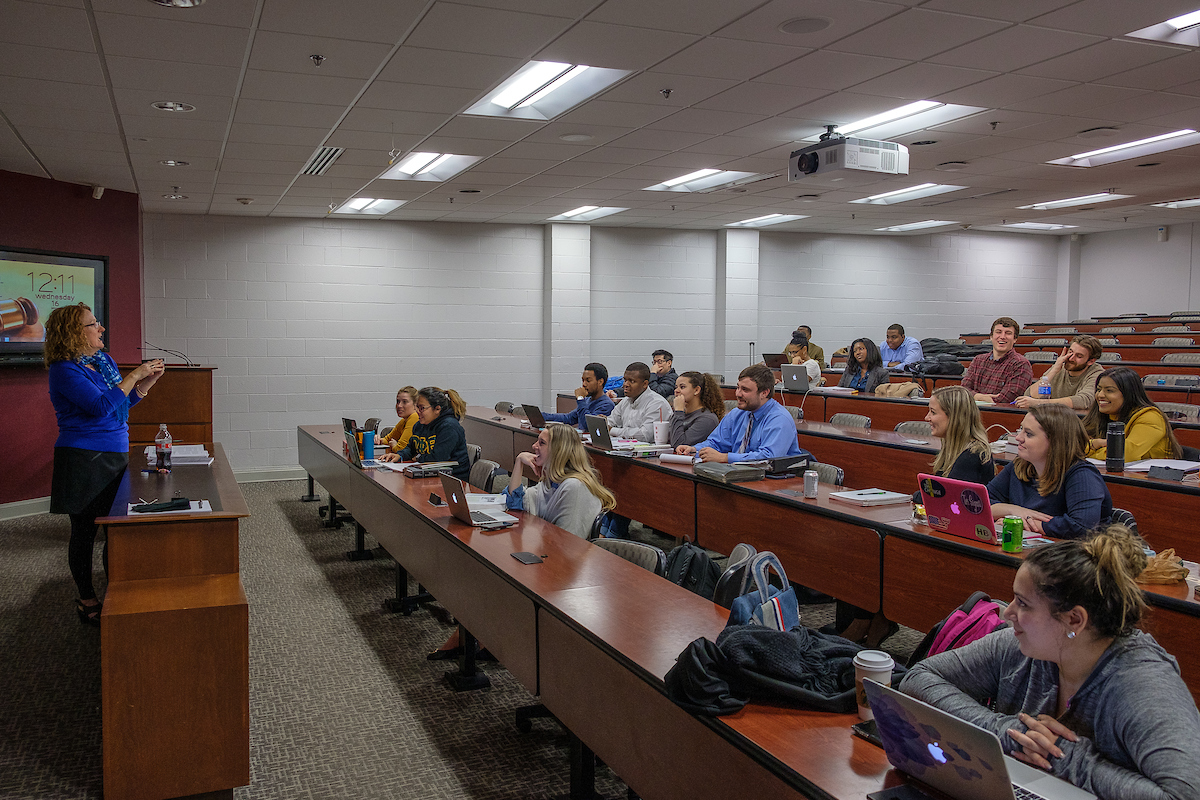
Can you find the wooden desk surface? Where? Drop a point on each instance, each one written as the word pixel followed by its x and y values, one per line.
pixel 214 483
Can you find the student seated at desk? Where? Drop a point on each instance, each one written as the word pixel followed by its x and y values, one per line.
pixel 815 352
pixel 797 352
pixel 758 428
pixel 899 350
pixel 965 453
pixel 1074 688
pixel 662 377
pixel 397 438
pixel 634 417
pixel 1050 485
pixel 1002 375
pixel 1072 377
pixel 698 408
pixel 589 398
pixel 864 367
pixel 569 493
pixel 1120 397
pixel 438 435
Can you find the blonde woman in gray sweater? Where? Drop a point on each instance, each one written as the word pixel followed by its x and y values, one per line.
pixel 569 494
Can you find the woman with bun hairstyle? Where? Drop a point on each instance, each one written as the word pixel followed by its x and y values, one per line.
pixel 1075 688
pixel 698 408
pixel 1120 397
pixel 438 435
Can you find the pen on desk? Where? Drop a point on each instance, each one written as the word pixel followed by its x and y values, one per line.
pixel 876 492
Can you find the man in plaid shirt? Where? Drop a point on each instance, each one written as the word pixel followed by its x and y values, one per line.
pixel 1002 375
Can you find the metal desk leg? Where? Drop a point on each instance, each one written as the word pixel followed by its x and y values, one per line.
pixel 360 551
pixel 312 495
pixel 468 676
pixel 583 770
pixel 403 602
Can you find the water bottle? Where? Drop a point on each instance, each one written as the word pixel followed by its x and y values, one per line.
pixel 1114 459
pixel 1044 389
pixel 162 449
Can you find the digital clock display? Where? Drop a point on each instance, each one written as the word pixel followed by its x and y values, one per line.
pixel 32 284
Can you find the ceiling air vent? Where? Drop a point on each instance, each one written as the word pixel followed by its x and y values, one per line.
pixel 322 160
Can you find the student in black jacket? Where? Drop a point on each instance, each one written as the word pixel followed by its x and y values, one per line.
pixel 438 435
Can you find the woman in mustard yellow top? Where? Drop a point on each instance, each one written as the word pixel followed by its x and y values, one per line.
pixel 1121 398
pixel 406 409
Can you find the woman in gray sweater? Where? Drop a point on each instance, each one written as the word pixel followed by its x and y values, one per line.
pixel 569 494
pixel 698 408
pixel 1076 689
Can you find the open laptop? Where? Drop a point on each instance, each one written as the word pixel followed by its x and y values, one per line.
pixel 456 493
pixel 349 425
pixel 960 759
pixel 355 456
pixel 534 415
pixel 598 427
pixel 795 377
pixel 774 360
pixel 959 508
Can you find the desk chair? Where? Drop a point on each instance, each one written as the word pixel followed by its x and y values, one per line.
pixel 474 453
pixel 730 405
pixel 1117 329
pixel 1187 411
pixel 1127 319
pixel 1122 517
pixel 851 420
pixel 1041 357
pixel 1181 358
pixel 1171 329
pixel 1061 330
pixel 1190 453
pixel 828 473
pixel 372 424
pixel 1109 357
pixel 1050 342
pixel 734 580
pixel 1151 380
pixel 1109 342
pixel 482 473
pixel 503 407
pixel 1189 316
pixel 956 341
pixel 915 428
pixel 1173 341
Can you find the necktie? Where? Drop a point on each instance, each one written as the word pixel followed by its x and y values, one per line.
pixel 746 439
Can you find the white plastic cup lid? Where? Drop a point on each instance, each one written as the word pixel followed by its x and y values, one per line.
pixel 873 660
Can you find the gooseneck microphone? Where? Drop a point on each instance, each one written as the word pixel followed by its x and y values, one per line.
pixel 175 353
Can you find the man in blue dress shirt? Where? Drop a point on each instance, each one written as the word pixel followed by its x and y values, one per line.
pixel 898 351
pixel 758 428
pixel 589 398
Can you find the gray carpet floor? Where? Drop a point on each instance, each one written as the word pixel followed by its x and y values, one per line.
pixel 343 703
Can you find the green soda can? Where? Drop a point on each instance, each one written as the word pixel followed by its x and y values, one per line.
pixel 1012 534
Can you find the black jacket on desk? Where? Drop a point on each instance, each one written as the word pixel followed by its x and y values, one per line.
pixel 444 440
pixel 967 467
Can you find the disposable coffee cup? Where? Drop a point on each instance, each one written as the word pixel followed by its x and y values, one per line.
pixel 876 665
pixel 662 432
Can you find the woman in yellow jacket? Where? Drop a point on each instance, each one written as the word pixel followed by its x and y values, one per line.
pixel 1121 398
pixel 397 438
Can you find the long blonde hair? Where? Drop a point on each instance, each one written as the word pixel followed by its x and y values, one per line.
pixel 569 459
pixel 964 428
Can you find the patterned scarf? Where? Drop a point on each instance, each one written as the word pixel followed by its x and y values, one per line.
pixel 108 371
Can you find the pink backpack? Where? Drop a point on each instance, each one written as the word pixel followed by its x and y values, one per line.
pixel 978 616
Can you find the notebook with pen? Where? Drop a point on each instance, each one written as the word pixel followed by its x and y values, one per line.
pixel 870 497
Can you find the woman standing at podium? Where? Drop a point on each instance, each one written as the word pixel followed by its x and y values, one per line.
pixel 91 401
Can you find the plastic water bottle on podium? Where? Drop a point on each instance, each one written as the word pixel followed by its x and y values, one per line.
pixel 162 449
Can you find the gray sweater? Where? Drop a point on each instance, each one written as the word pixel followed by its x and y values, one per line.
pixel 691 428
pixel 1139 731
pixel 570 505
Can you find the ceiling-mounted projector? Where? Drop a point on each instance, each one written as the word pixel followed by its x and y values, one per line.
pixel 837 153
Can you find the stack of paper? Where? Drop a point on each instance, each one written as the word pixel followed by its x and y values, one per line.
pixel 182 454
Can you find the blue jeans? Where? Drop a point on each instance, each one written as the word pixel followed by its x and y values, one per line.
pixel 615 527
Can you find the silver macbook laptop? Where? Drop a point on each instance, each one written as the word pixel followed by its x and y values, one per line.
pixel 356 457
pixel 955 757
pixel 598 427
pixel 795 377
pixel 534 415
pixel 456 497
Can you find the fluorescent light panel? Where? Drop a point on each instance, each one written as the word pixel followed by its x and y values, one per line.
pixel 586 213
pixel 1184 29
pixel 1083 200
pixel 541 90
pixel 911 193
pixel 1179 203
pixel 429 167
pixel 904 120
pixel 766 219
pixel 916 226
pixel 889 116
pixel 701 180
pixel 1037 226
pixel 1137 149
pixel 1185 21
pixel 368 206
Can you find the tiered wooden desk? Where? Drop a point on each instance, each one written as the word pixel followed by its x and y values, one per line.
pixel 174 658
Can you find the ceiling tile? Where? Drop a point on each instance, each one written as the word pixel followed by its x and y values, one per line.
pixel 171 40
pixel 730 58
pixel 290 87
pixel 352 140
pixel 184 149
pixel 64 97
pixel 468 29
pixel 732 145
pixel 291 52
pixel 826 69
pixel 373 119
pixel 235 13
pixel 1113 17
pixel 621 155
pixel 58 139
pixel 602 112
pixel 360 21
pixel 706 121
pixel 687 16
pixel 572 9
pixel 213 108
pixel 508 130
pixel 1079 99
pixel 273 112
pixel 1101 60
pixel 1004 90
pixel 166 128
pixel 845 17
pixel 666 140
pixel 917 34
pixel 21 115
pixel 1011 10
pixel 404 97
pixel 614 46
pixel 1179 69
pixel 233 168
pixel 1016 47
pixel 171 78
pixel 50 63
pixel 1148 105
pixel 295 153
pixel 447 68
pixel 761 98
pixel 46 26
pixel 686 90
pixel 277 134
pixel 922 81
pixel 463 147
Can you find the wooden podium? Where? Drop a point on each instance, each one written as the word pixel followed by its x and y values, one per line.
pixel 182 398
pixel 174 639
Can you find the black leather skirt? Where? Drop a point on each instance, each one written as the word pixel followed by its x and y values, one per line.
pixel 85 481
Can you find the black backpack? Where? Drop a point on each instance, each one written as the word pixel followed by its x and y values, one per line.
pixel 942 364
pixel 690 567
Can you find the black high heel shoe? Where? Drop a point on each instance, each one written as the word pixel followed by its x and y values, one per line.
pixel 88 615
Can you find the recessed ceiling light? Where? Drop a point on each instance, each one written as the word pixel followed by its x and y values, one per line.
pixel 916 226
pixel 765 220
pixel 901 112
pixel 1184 29
pixel 368 206
pixel 1179 203
pixel 1136 149
pixel 586 214
pixel 544 89
pixel 911 193
pixel 175 195
pixel 1185 21
pixel 1038 226
pixel 924 142
pixel 904 120
pixel 802 25
pixel 704 180
pixel 1099 197
pixel 178 3
pixel 429 167
pixel 576 137
pixel 170 162
pixel 172 105
pixel 951 166
pixel 245 200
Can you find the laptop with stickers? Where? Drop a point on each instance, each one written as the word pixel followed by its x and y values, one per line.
pixel 958 508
